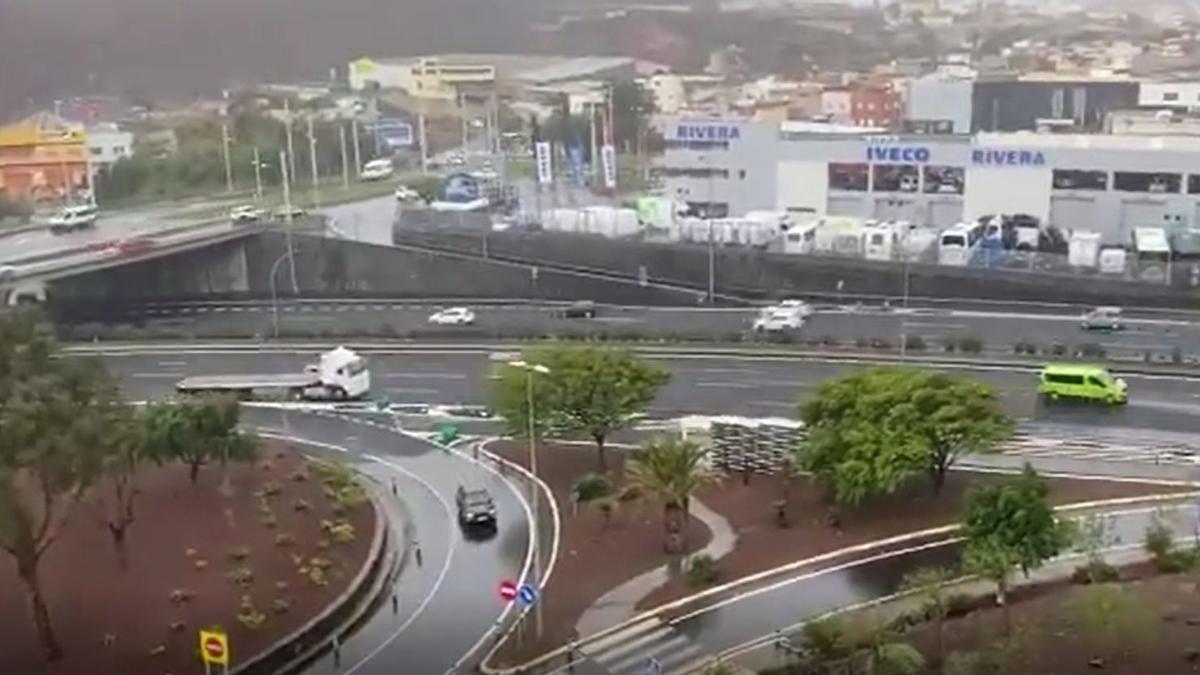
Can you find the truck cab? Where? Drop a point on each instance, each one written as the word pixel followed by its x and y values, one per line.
pixel 342 373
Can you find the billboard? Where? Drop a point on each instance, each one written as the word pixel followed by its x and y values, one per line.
pixel 541 152
pixel 394 134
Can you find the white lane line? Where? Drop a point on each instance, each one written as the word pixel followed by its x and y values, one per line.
pixel 724 385
pixel 156 376
pixel 408 390
pixel 441 574
pixel 424 376
pixel 172 364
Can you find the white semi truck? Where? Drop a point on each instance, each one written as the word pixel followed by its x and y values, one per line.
pixel 338 375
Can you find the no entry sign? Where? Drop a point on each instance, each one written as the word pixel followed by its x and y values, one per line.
pixel 214 647
pixel 508 589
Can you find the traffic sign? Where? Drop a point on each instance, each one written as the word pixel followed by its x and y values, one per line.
pixel 528 594
pixel 508 589
pixel 214 647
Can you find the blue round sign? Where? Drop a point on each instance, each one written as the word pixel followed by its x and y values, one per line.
pixel 460 188
pixel 528 594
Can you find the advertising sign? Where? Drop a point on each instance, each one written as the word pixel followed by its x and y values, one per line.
pixel 609 156
pixel 395 134
pixel 704 132
pixel 542 157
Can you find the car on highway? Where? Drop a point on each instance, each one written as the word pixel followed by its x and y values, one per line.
pixel 407 194
pixel 7 272
pixel 246 213
pixel 453 316
pixel 801 307
pixel 778 321
pixel 71 218
pixel 1102 318
pixel 1081 381
pixel 135 245
pixel 281 213
pixel 580 309
pixel 377 169
pixel 475 507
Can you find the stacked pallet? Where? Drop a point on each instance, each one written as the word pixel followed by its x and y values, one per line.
pixel 758 446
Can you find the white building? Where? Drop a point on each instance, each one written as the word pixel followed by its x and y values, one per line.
pixel 1169 94
pixel 107 143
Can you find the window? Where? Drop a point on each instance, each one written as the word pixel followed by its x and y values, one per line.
pixel 1137 181
pixel 896 178
pixel 1171 96
pixel 707 209
pixel 848 177
pixel 679 172
pixel 1064 379
pixel 1095 382
pixel 1193 184
pixel 741 174
pixel 1080 179
pixel 96 152
pixel 944 180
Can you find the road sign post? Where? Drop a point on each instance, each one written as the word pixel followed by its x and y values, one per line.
pixel 214 649
pixel 508 590
pixel 528 595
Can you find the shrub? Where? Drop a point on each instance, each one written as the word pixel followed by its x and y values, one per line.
pixel 239 554
pixel 880 343
pixel 829 341
pixel 242 576
pixel 862 343
pixel 272 489
pixel 1025 347
pixel 269 521
pixel 339 530
pixel 1095 572
pixel 298 476
pixel 1058 349
pixel 1091 350
pixel 961 663
pixel 301 506
pixel 320 563
pixel 703 571
pixel 1158 542
pixel 915 343
pixel 959 604
pixel 827 638
pixel 970 345
pixel 280 606
pixel 200 564
pixel 251 618
pixel 284 539
pixel 591 487
pixel 315 575
pixel 181 596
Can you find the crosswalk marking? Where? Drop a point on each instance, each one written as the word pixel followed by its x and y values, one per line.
pixel 628 652
pixel 629 655
pixel 622 638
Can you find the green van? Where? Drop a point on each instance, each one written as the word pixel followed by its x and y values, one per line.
pixel 1092 383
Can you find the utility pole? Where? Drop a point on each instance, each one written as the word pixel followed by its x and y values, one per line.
pixel 421 135
pixel 225 143
pixel 312 155
pixel 462 112
pixel 357 151
pixel 258 191
pixel 291 149
pixel 345 166
pixel 284 162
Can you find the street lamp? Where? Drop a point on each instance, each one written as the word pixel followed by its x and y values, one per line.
pixel 274 291
pixel 530 369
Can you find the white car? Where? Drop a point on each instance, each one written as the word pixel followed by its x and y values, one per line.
pixel 1102 318
pixel 281 213
pixel 73 218
pixel 246 214
pixel 407 194
pixel 778 321
pixel 378 169
pixel 800 307
pixel 7 272
pixel 453 316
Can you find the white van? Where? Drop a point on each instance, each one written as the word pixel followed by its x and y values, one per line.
pixel 71 218
pixel 378 169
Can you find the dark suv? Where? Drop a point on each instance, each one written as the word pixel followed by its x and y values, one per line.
pixel 475 507
pixel 582 309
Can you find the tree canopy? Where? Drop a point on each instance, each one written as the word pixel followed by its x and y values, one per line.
pixel 671 471
pixel 591 391
pixel 870 432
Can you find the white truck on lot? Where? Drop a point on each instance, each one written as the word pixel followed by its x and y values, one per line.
pixel 338 375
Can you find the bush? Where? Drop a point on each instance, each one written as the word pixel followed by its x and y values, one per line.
pixel 915 343
pixel 591 487
pixel 703 571
pixel 959 604
pixel 280 606
pixel 284 539
pixel 242 576
pixel 1095 572
pixel 271 488
pixel 301 506
pixel 239 554
pixel 1158 542
pixel 827 638
pixel 1025 347
pixel 1058 349
pixel 1091 350
pixel 970 345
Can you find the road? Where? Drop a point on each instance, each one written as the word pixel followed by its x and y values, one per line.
pixel 446 599
pixel 839 326
pixel 785 602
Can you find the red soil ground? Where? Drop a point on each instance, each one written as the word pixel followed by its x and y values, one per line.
pixel 120 621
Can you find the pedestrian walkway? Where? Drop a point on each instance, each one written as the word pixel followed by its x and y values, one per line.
pixel 620 604
pixel 648 647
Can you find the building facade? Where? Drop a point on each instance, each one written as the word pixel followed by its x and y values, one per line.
pixel 1102 183
pixel 938 104
pixel 876 107
pixel 1017 104
pixel 1169 95
pixel 43 158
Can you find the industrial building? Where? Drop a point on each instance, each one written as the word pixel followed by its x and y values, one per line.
pixel 1107 184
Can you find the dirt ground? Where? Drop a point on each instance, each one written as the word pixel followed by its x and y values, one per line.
pixel 595 557
pixel 184 540
pixel 762 544
pixel 1156 632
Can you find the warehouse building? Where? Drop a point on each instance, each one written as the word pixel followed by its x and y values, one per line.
pixel 1104 183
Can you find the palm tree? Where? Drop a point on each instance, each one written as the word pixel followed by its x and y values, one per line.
pixel 671 471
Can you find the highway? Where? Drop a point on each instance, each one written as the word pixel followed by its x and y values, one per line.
pixel 839 325
pixel 701 384
pixel 446 600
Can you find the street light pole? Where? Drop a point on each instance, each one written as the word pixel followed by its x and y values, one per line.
pixel 225 143
pixel 275 294
pixel 258 191
pixel 287 216
pixel 531 369
pixel 345 166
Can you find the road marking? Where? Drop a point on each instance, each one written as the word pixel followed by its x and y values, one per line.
pixel 156 376
pixel 724 385
pixel 424 376
pixel 172 364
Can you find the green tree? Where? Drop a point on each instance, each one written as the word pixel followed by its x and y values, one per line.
pixel 55 432
pixel 932 583
pixel 197 431
pixel 872 431
pixel 671 471
pixel 1010 525
pixel 131 449
pixel 632 107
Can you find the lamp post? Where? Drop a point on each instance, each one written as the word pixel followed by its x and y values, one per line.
pixel 274 291
pixel 531 369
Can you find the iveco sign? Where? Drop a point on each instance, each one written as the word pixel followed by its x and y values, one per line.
pixel 898 154
pixel 985 157
pixel 707 133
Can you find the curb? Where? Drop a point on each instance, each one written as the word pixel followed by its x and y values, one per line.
pixel 307 641
pixel 657 612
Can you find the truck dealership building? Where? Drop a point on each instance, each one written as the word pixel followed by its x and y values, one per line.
pixel 1108 184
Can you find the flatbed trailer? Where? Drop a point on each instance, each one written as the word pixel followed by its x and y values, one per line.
pixel 339 375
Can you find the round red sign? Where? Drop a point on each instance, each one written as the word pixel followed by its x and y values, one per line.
pixel 508 589
pixel 214 648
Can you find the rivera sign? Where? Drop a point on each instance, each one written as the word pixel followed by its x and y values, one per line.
pixel 984 157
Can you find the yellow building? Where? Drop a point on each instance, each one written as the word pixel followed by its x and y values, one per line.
pixel 42 158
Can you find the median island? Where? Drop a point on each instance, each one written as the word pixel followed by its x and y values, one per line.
pixel 126 531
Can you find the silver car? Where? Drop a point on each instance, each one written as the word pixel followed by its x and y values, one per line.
pixel 1102 318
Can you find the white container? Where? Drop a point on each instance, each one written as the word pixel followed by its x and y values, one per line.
pixel 1083 249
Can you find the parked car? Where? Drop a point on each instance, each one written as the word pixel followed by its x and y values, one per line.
pixel 453 316
pixel 407 194
pixel 135 245
pixel 475 507
pixel 778 321
pixel 246 214
pixel 800 307
pixel 1102 318
pixel 581 309
pixel 71 218
pixel 377 169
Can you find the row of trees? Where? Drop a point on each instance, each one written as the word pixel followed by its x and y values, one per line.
pixel 66 436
